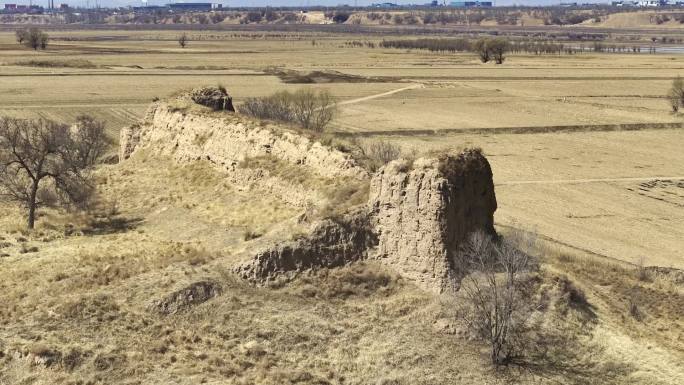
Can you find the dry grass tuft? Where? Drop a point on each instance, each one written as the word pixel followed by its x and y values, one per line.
pixel 342 193
pixel 72 63
pixel 357 280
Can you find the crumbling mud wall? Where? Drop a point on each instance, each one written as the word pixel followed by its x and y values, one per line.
pixel 422 212
pixel 331 243
pixel 417 215
pixel 228 140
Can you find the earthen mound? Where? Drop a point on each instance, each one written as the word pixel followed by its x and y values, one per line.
pixel 216 98
pixel 417 216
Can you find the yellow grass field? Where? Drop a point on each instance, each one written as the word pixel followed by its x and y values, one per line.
pixel 584 150
pixel 434 92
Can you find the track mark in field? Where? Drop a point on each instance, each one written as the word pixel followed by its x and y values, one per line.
pixel 557 241
pixel 516 130
pixel 380 95
pixel 588 180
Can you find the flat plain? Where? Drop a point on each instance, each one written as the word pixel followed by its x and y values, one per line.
pixel 588 179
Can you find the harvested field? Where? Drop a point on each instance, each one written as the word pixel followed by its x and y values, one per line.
pixel 141 288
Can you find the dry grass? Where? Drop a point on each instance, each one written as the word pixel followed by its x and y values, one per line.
pixel 76 291
pixel 341 193
pixel 73 63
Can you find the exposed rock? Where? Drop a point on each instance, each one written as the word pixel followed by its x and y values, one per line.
pixel 129 137
pixel 331 243
pixel 216 98
pixel 44 356
pixel 187 297
pixel 422 213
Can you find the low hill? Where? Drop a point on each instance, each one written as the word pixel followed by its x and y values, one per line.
pixel 226 250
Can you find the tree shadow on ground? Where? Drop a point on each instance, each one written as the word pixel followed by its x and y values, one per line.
pixel 561 354
pixel 112 225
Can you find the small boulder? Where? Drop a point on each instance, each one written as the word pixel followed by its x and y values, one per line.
pixel 216 98
pixel 183 299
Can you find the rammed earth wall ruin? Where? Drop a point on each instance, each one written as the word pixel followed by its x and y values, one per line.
pixel 422 214
pixel 416 217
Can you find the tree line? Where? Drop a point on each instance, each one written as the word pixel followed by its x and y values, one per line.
pixel 535 47
pixel 487 49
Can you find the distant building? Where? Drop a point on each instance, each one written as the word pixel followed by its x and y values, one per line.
pixel 384 5
pixel 148 8
pixel 31 9
pixel 194 7
pixel 646 3
pixel 471 4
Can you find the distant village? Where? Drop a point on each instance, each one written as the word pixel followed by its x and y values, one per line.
pixel 51 7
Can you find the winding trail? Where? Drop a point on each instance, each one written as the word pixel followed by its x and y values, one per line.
pixel 380 95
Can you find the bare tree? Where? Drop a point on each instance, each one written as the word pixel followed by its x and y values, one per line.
pixel 676 94
pixel 183 40
pixel 495 308
pixel 309 109
pixel 498 48
pixel 43 162
pixel 481 47
pixel 44 38
pixel 488 49
pixel 22 35
pixel 90 141
pixel 313 110
pixel 35 38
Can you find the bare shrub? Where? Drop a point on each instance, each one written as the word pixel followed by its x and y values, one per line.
pixel 379 153
pixel 275 107
pixel 481 48
pixel 496 309
pixel 676 94
pixel 633 308
pixel 33 38
pixel 309 109
pixel 498 48
pixel 43 162
pixel 21 35
pixel 313 110
pixel 642 273
pixel 72 63
pixel 183 40
pixel 488 49
pixel 90 141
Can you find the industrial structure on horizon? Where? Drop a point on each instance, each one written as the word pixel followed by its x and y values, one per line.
pixel 32 8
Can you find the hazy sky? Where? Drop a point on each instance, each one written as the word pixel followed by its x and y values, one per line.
pixel 263 3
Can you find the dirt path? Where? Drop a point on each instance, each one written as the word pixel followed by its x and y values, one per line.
pixel 591 180
pixel 380 95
